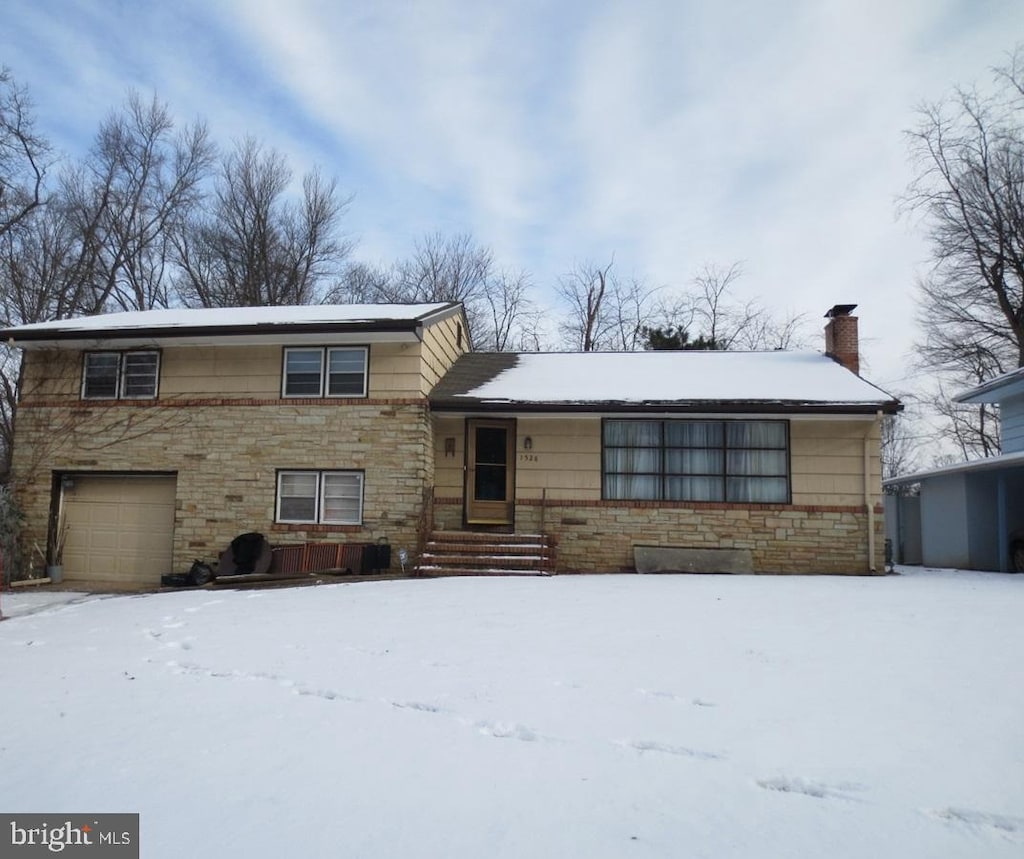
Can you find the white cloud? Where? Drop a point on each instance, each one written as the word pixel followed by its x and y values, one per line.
pixel 672 132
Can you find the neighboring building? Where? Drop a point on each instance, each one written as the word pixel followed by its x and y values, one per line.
pixel 970 515
pixel 160 435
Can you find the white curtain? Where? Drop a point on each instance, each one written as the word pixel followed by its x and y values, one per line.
pixel 680 460
pixel 632 460
pixel 770 434
pixel 693 433
pixel 758 473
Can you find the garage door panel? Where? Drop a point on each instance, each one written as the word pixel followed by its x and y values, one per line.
pixel 120 528
pixel 102 539
pixel 153 516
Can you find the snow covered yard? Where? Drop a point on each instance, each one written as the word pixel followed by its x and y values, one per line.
pixel 611 716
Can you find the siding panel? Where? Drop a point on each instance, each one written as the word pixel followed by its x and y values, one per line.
pixel 1011 415
pixel 439 349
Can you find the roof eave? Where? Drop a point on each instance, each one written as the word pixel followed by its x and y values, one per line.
pixel 158 333
pixel 463 404
pixel 451 308
pixel 1005 460
pixel 993 392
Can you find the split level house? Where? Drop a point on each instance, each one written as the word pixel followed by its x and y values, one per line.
pixel 156 437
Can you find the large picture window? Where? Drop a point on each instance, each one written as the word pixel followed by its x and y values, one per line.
pixel 685 460
pixel 320 497
pixel 325 372
pixel 120 375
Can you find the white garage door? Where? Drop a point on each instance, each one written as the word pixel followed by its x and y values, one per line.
pixel 120 528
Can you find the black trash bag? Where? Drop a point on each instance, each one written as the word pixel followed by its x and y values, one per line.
pixel 175 580
pixel 200 573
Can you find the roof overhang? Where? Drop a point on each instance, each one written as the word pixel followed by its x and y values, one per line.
pixel 992 463
pixel 74 334
pixel 998 389
pixel 704 407
pixel 648 414
pixel 241 335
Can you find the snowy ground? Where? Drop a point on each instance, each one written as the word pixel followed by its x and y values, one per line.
pixel 603 716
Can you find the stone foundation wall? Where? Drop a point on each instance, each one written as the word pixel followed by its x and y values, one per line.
pixel 599 536
pixel 226 456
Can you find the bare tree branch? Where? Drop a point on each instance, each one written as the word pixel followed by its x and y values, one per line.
pixel 969 152
pixel 709 316
pixel 602 311
pixel 255 247
pixel 451 268
pixel 138 184
pixel 25 156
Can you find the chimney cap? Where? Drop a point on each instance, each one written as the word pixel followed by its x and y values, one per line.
pixel 840 310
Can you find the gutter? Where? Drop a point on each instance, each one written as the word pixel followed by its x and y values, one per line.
pixel 182 331
pixel 470 406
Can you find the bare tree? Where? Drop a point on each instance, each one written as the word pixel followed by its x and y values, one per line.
pixel 603 311
pixel 709 308
pixel 899 446
pixel 457 268
pixel 973 429
pixel 583 290
pixel 255 246
pixel 36 262
pixel 446 268
pixel 451 268
pixel 25 155
pixel 507 306
pixel 533 331
pixel 765 330
pixel 631 310
pixel 362 283
pixel 711 317
pixel 969 154
pixel 139 182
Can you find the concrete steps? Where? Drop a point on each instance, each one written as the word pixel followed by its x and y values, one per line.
pixel 475 553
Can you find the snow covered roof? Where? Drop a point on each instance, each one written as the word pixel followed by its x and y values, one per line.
pixel 768 381
pixel 995 390
pixel 224 321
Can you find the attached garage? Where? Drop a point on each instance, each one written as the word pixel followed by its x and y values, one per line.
pixel 120 528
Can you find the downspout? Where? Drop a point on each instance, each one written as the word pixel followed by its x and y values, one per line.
pixel 868 508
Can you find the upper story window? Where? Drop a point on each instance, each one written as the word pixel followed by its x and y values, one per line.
pixel 686 460
pixel 120 375
pixel 331 371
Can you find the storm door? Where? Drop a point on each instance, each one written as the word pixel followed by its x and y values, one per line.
pixel 490 471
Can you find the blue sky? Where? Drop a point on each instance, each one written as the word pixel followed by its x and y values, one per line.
pixel 672 134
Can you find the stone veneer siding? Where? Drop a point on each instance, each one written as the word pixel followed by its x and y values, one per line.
pixel 598 536
pixel 226 454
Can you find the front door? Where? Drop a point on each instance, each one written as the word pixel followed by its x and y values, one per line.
pixel 490 472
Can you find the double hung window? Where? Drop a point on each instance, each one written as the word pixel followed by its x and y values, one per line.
pixel 320 497
pixel 331 371
pixel 690 460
